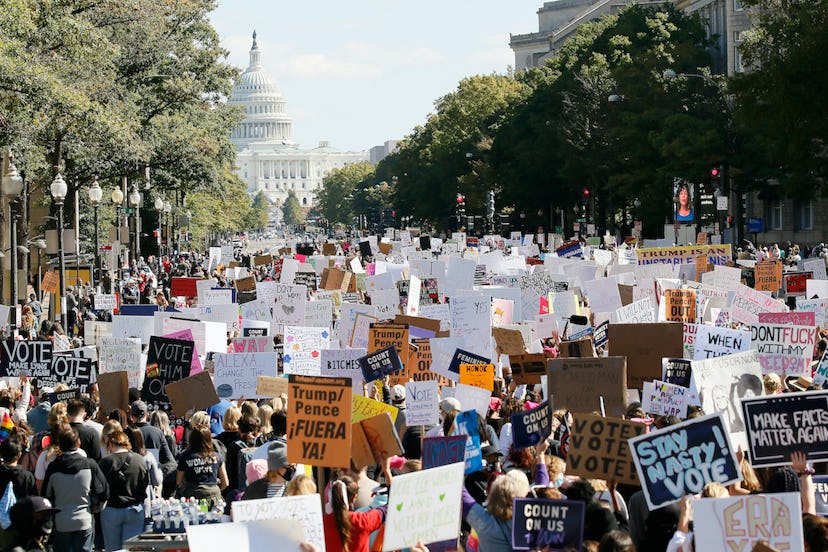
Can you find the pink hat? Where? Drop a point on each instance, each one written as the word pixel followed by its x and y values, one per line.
pixel 255 470
pixel 495 404
pixel 397 462
pixel 529 405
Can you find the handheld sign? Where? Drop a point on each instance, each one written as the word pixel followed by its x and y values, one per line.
pixel 439 451
pixel 465 357
pixel 466 424
pixel 538 523
pixel 319 421
pixel 30 358
pixel 598 448
pixel 168 360
pixel 422 403
pixel 580 384
pixel 779 424
pixel 376 365
pixel 530 427
pixel 191 393
pixel 307 509
pixel 478 375
pixel 683 458
pixel 73 371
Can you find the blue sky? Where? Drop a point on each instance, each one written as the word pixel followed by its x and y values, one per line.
pixel 359 72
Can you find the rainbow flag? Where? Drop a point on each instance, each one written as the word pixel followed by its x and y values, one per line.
pixel 5 427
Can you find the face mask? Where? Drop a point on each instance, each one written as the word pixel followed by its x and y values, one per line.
pixel 559 481
pixel 290 471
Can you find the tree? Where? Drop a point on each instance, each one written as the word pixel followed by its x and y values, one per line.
pixel 291 210
pixel 335 199
pixel 779 107
pixel 259 212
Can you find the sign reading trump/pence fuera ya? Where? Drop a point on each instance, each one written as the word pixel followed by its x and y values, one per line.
pixel 319 421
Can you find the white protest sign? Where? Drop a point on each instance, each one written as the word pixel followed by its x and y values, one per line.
pixel 122 354
pixel 342 363
pixel 256 310
pixel 471 321
pixel 424 506
pixel 303 346
pixel 713 342
pixel 227 314
pixel 664 399
pixel 142 327
pixel 473 398
pixel 209 337
pixel 306 509
pixel 784 349
pixel 603 295
pixel 105 301
pixel 637 312
pixel 216 297
pixel 236 374
pixel 740 522
pixel 748 303
pixel 413 303
pixel 818 306
pixel 422 403
pixel 250 536
pixel 289 306
pixel 817 266
pixel 319 313
pixel 387 302
pixel 266 291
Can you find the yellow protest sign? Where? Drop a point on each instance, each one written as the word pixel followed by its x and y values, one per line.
pixel 478 375
pixel 364 408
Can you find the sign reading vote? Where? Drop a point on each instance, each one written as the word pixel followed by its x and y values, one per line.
pixel 779 424
pixel 530 427
pixel 598 448
pixel 440 451
pixel 168 360
pixel 539 523
pixel 422 403
pixel 683 458
pixel 72 371
pixel 30 358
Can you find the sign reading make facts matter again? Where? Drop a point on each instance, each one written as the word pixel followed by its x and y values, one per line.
pixel 319 421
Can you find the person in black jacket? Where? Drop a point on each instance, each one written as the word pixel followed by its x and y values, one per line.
pixel 279 474
pixel 153 438
pixel 23 481
pixel 76 486
pixel 127 472
pixel 89 438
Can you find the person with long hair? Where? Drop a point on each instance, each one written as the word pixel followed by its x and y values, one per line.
pixel 201 472
pixel 128 477
pixel 346 530
pixel 684 208
pixel 136 443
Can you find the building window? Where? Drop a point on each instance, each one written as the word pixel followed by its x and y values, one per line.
pixel 804 215
pixel 773 214
pixel 304 201
pixel 737 5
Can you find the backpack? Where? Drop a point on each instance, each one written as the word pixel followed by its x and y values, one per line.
pixel 6 502
pixel 245 456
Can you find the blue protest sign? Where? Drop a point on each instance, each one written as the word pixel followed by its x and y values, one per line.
pixel 821 494
pixel 539 523
pixel 531 426
pixel 683 458
pixel 379 363
pixel 441 451
pixel 466 424
pixel 464 357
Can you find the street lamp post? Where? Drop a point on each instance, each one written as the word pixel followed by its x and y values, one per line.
pixel 95 197
pixel 159 208
pixel 12 186
pixel 118 200
pixel 166 229
pixel 134 200
pixel 58 190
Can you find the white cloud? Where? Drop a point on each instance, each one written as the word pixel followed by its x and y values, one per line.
pixel 393 57
pixel 315 65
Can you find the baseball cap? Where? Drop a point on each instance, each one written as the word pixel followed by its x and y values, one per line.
pixel 139 409
pixel 398 392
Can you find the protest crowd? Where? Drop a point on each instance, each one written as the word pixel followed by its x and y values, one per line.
pixel 407 392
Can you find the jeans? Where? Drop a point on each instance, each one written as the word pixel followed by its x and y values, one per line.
pixel 120 524
pixel 74 541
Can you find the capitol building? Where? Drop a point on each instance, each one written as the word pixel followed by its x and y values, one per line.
pixel 267 157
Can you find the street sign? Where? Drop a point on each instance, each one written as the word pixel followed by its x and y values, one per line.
pixel 721 203
pixel 126 211
pixel 756 225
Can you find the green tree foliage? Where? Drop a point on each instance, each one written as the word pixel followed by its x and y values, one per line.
pixel 259 212
pixel 227 209
pixel 337 187
pixel 779 102
pixel 291 210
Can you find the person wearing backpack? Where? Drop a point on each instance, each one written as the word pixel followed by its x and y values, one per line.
pixel 239 453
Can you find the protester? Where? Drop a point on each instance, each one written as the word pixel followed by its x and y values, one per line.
pixel 201 472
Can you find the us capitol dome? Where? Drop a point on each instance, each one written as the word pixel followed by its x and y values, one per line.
pixel 267 157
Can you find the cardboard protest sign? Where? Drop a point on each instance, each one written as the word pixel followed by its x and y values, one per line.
pixel 30 358
pixel 168 360
pixel 72 371
pixel 374 438
pixel 779 424
pixel 745 522
pixel 319 421
pixel 236 374
pixel 665 399
pixel 113 389
pixel 466 424
pixel 645 345
pixel 528 368
pixel 422 401
pixel 376 365
pixel 194 393
pixel 680 305
pixel 711 342
pixel 306 509
pixel 767 275
pixel 269 386
pixel 478 375
pixel 381 336
pixel 598 448
pixel 364 408
pixel 509 342
pixel 580 384
pixel 303 349
pixel 440 451
pixel 50 281
pixel 683 458
pixel 539 523
pixel 424 506
pixel 530 427
pixel 784 349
